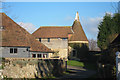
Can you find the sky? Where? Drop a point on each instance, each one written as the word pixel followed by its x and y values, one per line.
pixel 61 0
pixel 32 15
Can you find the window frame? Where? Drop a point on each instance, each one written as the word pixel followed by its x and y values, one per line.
pixel 11 50
pixel 27 49
pixel 15 50
pixel 64 38
pixel 40 39
pixel 33 55
pixel 39 55
pixel 48 39
pixel 45 56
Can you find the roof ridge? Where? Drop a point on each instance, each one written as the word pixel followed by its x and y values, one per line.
pixel 50 32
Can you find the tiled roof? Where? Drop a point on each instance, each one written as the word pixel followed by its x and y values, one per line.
pixel 53 32
pixel 13 34
pixel 78 34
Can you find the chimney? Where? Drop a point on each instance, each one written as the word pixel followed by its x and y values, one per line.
pixel 77 16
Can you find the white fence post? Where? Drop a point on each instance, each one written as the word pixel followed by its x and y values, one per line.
pixel 118 65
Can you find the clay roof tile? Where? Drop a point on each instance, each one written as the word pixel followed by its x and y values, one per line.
pixel 14 35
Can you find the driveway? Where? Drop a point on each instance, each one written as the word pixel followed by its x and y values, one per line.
pixel 78 72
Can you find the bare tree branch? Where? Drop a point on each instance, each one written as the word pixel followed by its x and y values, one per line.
pixel 93 45
pixel 115 7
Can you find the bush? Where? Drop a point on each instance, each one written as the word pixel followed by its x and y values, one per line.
pixel 81 49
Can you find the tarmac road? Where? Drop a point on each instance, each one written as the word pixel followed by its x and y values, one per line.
pixel 78 72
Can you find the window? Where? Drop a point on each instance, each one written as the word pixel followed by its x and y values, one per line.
pixel 39 55
pixel 74 53
pixel 48 39
pixel 64 38
pixel 27 49
pixel 15 50
pixel 11 50
pixel 44 55
pixel 40 39
pixel 1 27
pixel 34 55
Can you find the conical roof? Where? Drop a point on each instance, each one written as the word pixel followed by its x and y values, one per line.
pixel 78 33
pixel 13 34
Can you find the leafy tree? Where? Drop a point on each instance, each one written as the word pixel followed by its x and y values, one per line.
pixel 82 50
pixel 107 28
pixel 104 31
pixel 116 23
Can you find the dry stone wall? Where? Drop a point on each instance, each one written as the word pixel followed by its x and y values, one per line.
pixel 33 68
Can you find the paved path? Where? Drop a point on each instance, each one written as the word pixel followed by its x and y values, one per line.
pixel 78 72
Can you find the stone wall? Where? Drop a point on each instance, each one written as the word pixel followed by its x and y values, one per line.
pixel 58 45
pixel 32 68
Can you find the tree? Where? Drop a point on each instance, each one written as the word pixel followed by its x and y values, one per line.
pixel 116 23
pixel 93 45
pixel 104 31
pixel 82 50
pixel 108 28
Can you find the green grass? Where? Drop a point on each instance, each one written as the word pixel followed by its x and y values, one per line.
pixel 51 77
pixel 75 63
pixel 87 65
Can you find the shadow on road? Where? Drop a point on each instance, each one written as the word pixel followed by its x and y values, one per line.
pixel 77 72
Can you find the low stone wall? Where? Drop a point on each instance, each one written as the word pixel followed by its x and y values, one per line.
pixel 32 68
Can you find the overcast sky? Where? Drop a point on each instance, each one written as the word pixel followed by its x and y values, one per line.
pixel 32 15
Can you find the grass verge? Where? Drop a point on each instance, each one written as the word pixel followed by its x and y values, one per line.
pixel 87 65
pixel 75 63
